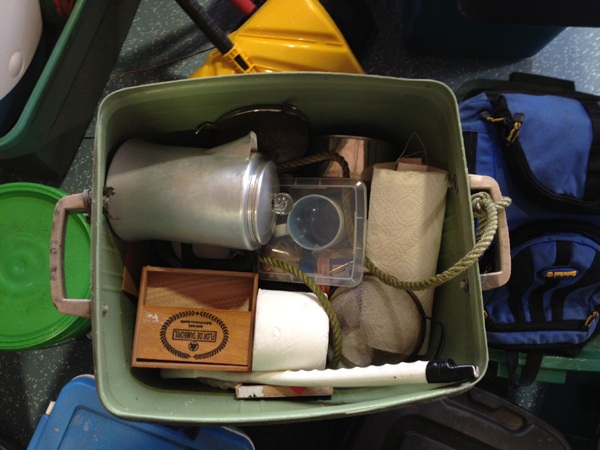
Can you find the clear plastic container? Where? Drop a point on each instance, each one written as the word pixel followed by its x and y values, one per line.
pixel 324 233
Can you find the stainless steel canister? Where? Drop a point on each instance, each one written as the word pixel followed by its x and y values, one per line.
pixel 222 196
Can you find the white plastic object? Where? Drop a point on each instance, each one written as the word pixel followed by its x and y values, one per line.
pixel 20 33
pixel 371 376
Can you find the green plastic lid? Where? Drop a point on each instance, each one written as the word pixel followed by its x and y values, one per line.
pixel 28 318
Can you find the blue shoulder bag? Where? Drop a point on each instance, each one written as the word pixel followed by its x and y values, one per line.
pixel 544 150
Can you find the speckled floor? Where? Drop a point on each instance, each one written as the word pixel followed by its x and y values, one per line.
pixel 162 33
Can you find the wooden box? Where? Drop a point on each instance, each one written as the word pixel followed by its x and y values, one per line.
pixel 195 319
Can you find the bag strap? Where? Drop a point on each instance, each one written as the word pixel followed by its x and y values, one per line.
pixel 531 368
pixel 542 82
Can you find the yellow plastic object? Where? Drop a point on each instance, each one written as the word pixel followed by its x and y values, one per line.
pixel 286 36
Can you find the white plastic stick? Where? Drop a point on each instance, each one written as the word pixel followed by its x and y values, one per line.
pixel 387 375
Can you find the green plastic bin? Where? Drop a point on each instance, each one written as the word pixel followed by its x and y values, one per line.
pixel 60 107
pixel 389 108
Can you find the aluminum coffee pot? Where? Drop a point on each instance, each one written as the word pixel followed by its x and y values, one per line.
pixel 222 196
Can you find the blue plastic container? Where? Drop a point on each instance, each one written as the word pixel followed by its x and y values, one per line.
pixel 437 27
pixel 78 420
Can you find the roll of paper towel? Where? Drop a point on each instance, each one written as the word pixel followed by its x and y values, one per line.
pixel 406 218
pixel 291 332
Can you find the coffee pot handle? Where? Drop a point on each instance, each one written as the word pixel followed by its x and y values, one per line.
pixel 501 274
pixel 80 308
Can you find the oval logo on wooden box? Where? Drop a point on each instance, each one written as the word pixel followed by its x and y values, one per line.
pixel 194 334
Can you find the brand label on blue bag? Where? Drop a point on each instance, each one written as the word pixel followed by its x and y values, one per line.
pixel 559 272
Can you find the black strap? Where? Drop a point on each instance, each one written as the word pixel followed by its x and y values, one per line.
pixel 542 82
pixel 519 283
pixel 592 183
pixel 582 96
pixel 528 231
pixel 536 298
pixel 470 141
pixel 530 369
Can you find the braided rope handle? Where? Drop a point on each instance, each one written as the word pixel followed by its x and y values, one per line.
pixel 486 210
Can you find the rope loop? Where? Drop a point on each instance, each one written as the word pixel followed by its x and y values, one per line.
pixel 486 210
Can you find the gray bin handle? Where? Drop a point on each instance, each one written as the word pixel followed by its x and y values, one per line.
pixel 79 308
pixel 498 278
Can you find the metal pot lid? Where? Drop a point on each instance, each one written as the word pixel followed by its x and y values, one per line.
pixel 264 185
pixel 282 130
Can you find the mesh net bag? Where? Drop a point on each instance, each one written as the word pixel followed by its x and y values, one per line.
pixel 380 324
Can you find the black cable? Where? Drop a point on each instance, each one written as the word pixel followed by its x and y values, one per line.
pixel 423 328
pixel 424 318
pixel 442 338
